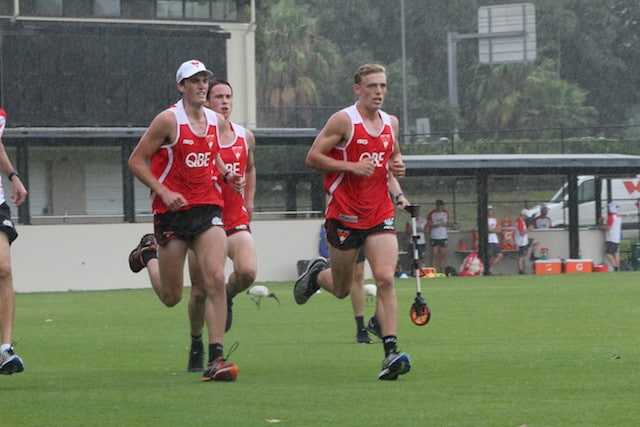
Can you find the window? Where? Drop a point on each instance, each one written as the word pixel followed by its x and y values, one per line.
pixel 48 7
pixel 106 8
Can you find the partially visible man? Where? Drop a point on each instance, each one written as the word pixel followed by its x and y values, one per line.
pixel 10 363
pixel 236 149
pixel 177 158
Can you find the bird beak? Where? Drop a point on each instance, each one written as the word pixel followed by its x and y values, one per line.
pixel 276 298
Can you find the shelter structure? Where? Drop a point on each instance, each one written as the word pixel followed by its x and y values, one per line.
pixel 484 166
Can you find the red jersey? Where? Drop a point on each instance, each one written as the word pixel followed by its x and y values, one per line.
pixel 234 156
pixel 187 165
pixel 355 201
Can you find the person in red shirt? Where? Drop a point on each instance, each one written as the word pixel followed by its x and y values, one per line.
pixel 236 149
pixel 359 154
pixel 178 159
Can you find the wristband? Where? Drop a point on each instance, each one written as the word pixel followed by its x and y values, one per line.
pixel 398 197
pixel 224 178
pixel 12 174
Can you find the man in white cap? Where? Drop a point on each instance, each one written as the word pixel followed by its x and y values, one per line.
pixel 522 240
pixel 178 159
pixel 612 228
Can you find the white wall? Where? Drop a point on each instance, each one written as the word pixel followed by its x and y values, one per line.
pixel 91 257
pixel 88 257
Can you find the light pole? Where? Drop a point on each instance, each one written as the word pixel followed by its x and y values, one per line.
pixel 405 120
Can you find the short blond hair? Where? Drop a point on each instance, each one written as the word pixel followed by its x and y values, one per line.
pixel 367 69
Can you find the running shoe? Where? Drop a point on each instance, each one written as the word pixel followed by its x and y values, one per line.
pixel 220 370
pixel 136 259
pixel 306 285
pixel 362 337
pixel 196 357
pixel 393 365
pixel 10 363
pixel 374 327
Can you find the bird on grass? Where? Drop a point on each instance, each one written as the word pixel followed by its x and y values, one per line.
pixel 370 291
pixel 258 292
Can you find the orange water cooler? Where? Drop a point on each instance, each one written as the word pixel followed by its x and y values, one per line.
pixel 507 236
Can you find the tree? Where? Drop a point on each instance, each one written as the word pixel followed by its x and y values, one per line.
pixel 293 58
pixel 526 96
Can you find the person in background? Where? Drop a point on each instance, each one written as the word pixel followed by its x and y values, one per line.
pixel 495 254
pixel 236 149
pixel 523 243
pixel 438 225
pixel 10 363
pixel 543 221
pixel 613 229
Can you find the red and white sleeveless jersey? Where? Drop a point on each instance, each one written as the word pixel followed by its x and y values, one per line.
pixel 234 156
pixel 187 165
pixel 355 201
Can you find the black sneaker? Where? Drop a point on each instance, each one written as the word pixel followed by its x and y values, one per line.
pixel 227 324
pixel 136 260
pixel 362 337
pixel 196 357
pixel 374 327
pixel 305 286
pixel 533 258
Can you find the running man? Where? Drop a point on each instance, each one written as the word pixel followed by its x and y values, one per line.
pixel 356 150
pixel 236 149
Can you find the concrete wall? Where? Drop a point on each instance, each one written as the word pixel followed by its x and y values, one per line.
pixel 92 257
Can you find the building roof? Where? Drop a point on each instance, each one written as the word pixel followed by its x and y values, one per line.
pixel 525 164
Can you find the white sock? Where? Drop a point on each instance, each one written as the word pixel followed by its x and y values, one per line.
pixel 5 347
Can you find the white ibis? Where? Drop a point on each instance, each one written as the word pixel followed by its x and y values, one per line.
pixel 370 291
pixel 258 292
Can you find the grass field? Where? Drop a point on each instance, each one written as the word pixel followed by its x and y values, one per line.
pixel 558 350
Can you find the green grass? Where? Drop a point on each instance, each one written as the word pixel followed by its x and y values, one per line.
pixel 499 351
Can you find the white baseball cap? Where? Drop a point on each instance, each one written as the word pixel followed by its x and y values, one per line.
pixel 191 68
pixel 524 212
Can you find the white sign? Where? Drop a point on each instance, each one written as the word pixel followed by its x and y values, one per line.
pixel 507 33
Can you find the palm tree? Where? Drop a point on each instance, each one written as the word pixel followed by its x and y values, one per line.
pixel 295 59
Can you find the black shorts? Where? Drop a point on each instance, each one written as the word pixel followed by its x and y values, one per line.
pixel 238 229
pixel 493 249
pixel 524 250
pixel 611 248
pixel 186 224
pixel 439 242
pixel 6 224
pixel 345 238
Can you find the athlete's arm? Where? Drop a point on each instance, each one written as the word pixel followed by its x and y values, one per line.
pixel 162 130
pixel 396 165
pixel 335 132
pixel 250 174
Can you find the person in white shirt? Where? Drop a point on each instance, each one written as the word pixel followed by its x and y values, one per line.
pixel 438 225
pixel 612 228
pixel 495 254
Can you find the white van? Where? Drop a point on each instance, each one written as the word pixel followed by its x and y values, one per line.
pixel 625 193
